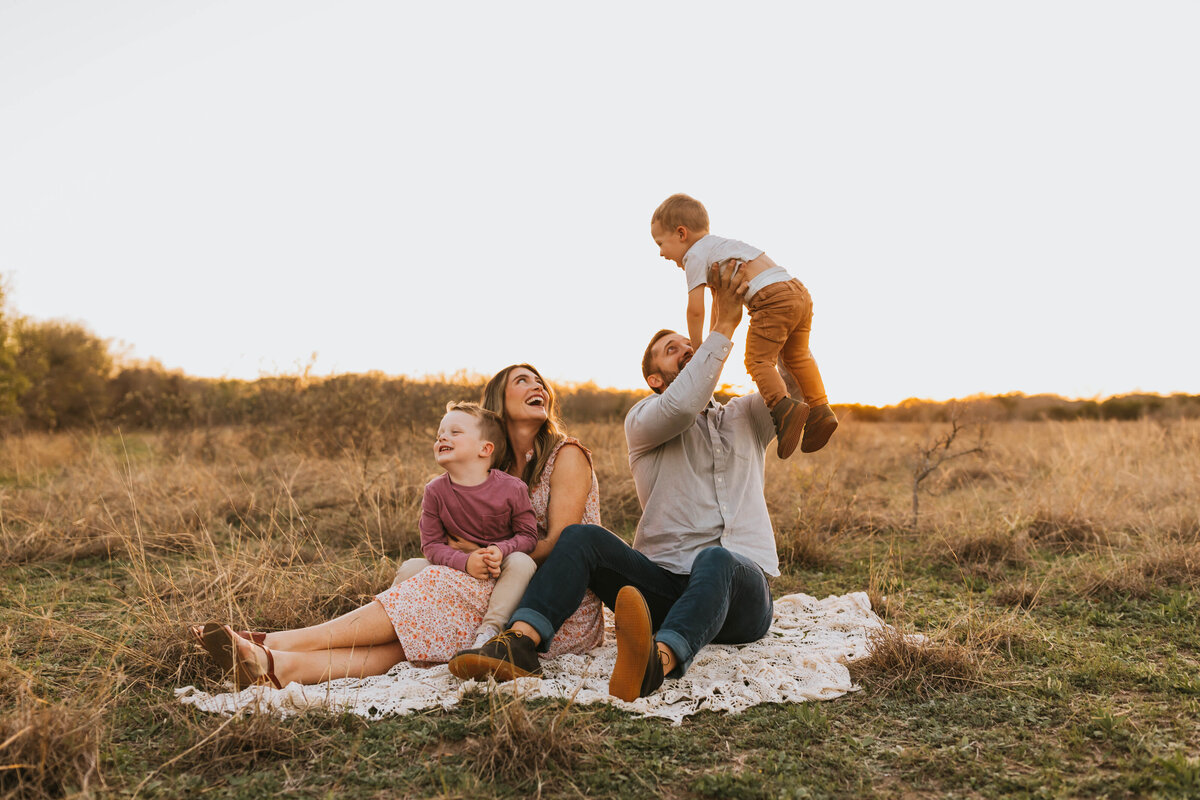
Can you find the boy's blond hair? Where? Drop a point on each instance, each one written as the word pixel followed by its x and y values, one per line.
pixel 680 209
pixel 491 427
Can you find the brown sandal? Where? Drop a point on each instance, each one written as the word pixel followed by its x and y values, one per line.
pixel 257 637
pixel 212 638
pixel 253 672
pixel 218 640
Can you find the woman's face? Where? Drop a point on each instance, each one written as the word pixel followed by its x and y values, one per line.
pixel 525 397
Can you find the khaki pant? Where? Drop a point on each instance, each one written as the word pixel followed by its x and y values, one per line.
pixel 780 322
pixel 516 570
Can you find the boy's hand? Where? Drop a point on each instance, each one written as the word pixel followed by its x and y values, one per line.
pixel 476 566
pixel 492 558
pixel 728 290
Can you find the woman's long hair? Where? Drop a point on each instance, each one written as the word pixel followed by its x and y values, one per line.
pixel 547 437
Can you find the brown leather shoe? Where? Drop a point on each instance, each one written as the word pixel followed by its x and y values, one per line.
pixel 505 656
pixel 789 416
pixel 822 422
pixel 638 671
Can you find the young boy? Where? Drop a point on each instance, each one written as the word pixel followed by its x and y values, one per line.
pixel 477 504
pixel 780 319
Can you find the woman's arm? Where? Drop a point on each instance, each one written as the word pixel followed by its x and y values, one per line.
pixel 569 486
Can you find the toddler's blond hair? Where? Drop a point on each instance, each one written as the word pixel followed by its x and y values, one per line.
pixel 680 209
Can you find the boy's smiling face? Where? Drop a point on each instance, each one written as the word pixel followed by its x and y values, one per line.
pixel 459 440
pixel 672 244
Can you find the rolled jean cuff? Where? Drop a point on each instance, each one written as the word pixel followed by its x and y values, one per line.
pixel 681 649
pixel 533 619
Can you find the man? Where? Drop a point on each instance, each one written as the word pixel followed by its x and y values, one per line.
pixel 697 572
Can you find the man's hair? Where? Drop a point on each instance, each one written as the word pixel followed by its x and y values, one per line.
pixel 680 209
pixel 648 368
pixel 491 427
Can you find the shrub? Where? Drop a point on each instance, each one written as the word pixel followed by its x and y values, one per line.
pixel 916 663
pixel 66 368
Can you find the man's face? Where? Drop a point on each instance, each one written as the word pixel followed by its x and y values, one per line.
pixel 669 355
pixel 672 244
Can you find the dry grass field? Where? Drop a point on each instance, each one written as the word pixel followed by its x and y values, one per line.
pixel 1057 574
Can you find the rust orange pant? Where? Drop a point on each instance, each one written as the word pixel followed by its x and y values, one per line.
pixel 780 322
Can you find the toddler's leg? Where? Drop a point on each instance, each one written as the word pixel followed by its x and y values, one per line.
pixel 763 342
pixel 409 568
pixel 775 313
pixel 796 356
pixel 799 359
pixel 516 570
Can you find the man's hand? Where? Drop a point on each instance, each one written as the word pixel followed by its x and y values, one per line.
pixel 728 290
pixel 476 566
pixel 491 559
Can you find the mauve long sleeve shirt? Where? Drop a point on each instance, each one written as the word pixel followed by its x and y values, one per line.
pixel 496 511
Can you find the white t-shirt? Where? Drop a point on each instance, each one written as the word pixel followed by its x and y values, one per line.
pixel 714 249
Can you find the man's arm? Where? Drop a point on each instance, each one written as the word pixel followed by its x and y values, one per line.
pixel 738 263
pixel 695 316
pixel 659 419
pixel 729 285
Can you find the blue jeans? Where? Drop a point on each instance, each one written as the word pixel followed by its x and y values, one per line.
pixel 725 599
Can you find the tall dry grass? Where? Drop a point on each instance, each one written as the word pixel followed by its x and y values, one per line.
pixel 267 532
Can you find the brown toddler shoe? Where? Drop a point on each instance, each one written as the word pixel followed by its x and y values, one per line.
pixel 822 422
pixel 789 416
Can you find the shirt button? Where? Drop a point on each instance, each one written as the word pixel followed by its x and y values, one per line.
pixel 720 480
pixel 724 507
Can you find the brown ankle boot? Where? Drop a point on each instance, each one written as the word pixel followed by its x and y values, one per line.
pixel 789 416
pixel 822 422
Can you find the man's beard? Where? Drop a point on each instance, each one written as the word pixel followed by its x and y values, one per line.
pixel 669 378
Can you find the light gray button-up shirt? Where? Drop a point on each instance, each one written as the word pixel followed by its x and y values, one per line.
pixel 698 467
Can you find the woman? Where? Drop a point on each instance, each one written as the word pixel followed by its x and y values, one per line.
pixel 433 615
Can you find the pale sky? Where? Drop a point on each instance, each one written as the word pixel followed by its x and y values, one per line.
pixel 981 197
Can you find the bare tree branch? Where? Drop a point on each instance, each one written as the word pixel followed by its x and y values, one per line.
pixel 931 457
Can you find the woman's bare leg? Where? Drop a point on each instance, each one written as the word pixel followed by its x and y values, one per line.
pixel 322 665
pixel 362 627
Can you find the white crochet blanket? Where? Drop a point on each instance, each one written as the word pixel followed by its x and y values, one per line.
pixel 803 657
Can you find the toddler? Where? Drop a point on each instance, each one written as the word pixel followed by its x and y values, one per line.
pixel 780 319
pixel 484 507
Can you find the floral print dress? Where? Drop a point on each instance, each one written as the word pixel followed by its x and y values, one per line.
pixel 437 611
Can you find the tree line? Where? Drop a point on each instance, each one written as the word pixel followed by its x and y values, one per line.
pixel 57 375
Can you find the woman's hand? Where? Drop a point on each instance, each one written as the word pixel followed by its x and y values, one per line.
pixel 476 566
pixel 461 545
